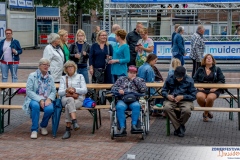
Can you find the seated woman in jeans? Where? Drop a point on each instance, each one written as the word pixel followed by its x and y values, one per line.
pixel 41 91
pixel 208 73
pixel 129 83
pixel 74 83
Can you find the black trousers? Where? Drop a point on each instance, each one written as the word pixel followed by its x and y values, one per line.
pixel 196 65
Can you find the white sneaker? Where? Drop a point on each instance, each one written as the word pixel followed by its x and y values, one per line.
pixel 44 131
pixel 34 135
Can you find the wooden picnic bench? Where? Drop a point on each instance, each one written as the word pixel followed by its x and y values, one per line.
pixel 8 96
pixel 92 111
pixel 212 109
pixel 228 98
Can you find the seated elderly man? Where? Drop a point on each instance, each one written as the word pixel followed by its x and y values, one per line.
pixel 179 91
pixel 128 84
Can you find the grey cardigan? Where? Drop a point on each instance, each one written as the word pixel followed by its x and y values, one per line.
pixel 31 88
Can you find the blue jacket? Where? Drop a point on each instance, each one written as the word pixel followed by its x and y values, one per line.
pixel 178 44
pixel 146 72
pixel 14 45
pixel 123 55
pixel 184 87
pixel 31 89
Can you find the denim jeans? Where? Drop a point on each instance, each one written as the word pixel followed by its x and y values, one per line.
pixel 121 108
pixel 84 72
pixel 35 114
pixel 180 57
pixel 13 69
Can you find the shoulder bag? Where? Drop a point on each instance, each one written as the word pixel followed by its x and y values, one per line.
pixel 74 95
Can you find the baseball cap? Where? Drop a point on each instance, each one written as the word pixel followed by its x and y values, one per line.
pixel 180 72
pixel 132 68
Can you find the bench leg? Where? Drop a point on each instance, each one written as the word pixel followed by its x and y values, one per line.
pixel 100 118
pixel 168 126
pixel 231 106
pixel 94 120
pixel 1 121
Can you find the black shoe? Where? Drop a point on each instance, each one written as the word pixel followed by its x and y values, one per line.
pixel 181 131
pixel 76 126
pixel 176 132
pixel 66 135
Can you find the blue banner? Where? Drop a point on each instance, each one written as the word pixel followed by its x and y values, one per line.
pixel 220 50
pixel 175 1
pixel 21 4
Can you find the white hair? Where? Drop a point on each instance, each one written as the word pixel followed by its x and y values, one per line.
pixel 43 61
pixel 53 37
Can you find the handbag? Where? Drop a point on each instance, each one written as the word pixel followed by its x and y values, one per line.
pixel 99 74
pixel 74 95
pixel 129 98
pixel 89 103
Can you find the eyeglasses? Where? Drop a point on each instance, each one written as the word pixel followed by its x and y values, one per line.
pixel 142 34
pixel 8 33
pixel 46 65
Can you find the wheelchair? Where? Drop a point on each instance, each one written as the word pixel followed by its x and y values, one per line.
pixel 143 120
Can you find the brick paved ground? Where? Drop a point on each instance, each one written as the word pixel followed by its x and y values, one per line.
pixel 16 142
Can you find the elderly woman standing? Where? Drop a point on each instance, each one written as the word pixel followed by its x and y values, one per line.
pixel 178 49
pixel 79 53
pixel 41 91
pixel 72 83
pixel 54 54
pixel 63 43
pixel 100 52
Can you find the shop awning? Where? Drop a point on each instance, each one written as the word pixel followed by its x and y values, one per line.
pixel 48 18
pixel 47 13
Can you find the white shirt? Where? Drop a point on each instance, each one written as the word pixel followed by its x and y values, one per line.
pixel 7 51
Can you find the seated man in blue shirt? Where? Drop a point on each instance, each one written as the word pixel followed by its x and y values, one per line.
pixel 179 92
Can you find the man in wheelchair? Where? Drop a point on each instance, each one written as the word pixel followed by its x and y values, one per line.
pixel 127 88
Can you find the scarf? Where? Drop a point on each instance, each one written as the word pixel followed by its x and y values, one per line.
pixel 44 84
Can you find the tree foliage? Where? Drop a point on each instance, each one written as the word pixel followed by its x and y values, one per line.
pixel 70 8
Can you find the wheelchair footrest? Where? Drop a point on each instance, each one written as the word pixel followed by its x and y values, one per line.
pixel 136 132
pixel 120 135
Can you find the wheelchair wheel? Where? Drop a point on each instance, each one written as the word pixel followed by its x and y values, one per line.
pixel 112 133
pixel 144 135
pixel 146 120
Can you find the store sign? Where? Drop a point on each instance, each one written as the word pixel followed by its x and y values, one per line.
pixel 21 3
pixel 223 50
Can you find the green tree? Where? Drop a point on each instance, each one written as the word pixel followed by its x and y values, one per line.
pixel 72 10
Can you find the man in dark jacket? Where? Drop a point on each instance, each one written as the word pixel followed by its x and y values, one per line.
pixel 179 92
pixel 132 39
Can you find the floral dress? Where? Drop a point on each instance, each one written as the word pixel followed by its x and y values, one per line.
pixel 141 54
